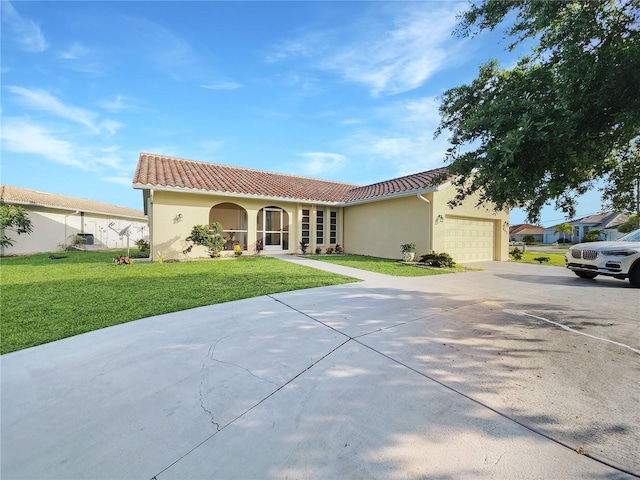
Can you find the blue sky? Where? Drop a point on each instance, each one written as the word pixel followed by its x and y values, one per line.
pixel 344 91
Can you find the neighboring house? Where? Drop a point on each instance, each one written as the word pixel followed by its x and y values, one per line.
pixel 607 222
pixel 58 221
pixel 284 210
pixel 517 232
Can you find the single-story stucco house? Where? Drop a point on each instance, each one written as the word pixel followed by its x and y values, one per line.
pixel 606 222
pixel 518 232
pixel 284 210
pixel 59 221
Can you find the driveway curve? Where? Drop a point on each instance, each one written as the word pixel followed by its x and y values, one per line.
pixel 515 371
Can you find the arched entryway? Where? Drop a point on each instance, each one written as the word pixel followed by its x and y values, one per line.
pixel 273 228
pixel 233 219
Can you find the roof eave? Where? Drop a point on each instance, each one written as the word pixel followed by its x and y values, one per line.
pixel 144 186
pixel 390 196
pixel 73 209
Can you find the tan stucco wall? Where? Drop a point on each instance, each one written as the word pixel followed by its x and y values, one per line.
pixel 379 228
pixel 376 228
pixel 468 209
pixel 169 233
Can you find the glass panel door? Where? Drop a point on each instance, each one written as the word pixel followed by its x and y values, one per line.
pixel 272 229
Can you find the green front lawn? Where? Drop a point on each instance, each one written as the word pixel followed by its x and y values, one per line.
pixel 45 300
pixel 555 258
pixel 380 265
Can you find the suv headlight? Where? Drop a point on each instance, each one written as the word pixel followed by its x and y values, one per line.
pixel 619 253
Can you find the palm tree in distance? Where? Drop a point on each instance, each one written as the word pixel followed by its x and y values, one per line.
pixel 564 228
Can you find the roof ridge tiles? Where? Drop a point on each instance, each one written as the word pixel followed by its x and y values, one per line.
pixel 176 172
pixel 255 170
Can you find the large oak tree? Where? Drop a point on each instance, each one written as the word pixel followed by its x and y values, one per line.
pixel 542 131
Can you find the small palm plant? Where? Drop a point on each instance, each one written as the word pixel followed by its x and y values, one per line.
pixel 564 228
pixel 408 251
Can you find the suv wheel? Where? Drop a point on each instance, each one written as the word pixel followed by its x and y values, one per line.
pixel 634 275
pixel 586 274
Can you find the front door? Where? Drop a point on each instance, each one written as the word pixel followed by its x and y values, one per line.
pixel 272 228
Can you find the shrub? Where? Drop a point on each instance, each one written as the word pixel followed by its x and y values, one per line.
pixel 339 249
pixel 528 239
pixel 408 247
pixel 318 250
pixel 208 236
pixel 259 246
pixel 304 246
pixel 439 260
pixel 542 259
pixel 140 255
pixel 563 240
pixel 329 250
pixel 592 236
pixel 516 254
pixel 142 244
pixel 237 249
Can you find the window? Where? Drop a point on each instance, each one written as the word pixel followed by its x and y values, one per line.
pixel 233 219
pixel 333 227
pixel 320 227
pixel 306 230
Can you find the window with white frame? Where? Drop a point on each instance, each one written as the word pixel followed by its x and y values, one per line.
pixel 333 227
pixel 320 227
pixel 306 226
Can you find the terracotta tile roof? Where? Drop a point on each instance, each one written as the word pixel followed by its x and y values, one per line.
pixel 408 183
pixel 162 171
pixel 157 170
pixel 525 228
pixel 26 197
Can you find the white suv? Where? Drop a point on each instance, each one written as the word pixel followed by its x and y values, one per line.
pixel 619 259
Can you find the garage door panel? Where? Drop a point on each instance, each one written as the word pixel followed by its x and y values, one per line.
pixel 469 240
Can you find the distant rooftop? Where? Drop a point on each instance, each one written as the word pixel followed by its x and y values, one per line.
pixel 25 196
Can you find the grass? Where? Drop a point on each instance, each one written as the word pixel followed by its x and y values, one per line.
pixel 380 265
pixel 44 300
pixel 556 258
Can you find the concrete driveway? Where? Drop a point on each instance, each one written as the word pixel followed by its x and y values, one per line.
pixel 516 371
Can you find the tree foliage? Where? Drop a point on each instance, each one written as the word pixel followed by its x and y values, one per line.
pixel 542 131
pixel 564 228
pixel 630 225
pixel 209 236
pixel 621 191
pixel 14 218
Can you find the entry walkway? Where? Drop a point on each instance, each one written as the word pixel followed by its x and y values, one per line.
pixel 333 268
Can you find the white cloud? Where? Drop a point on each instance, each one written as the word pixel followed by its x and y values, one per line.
pixel 125 181
pixel 41 100
pixel 319 163
pixel 74 52
pixel 111 126
pixel 118 103
pixel 350 121
pixel 166 51
pixel 404 142
pixel 80 59
pixel 387 60
pixel 25 31
pixel 222 86
pixel 24 136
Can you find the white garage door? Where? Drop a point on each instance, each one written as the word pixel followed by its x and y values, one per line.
pixel 469 240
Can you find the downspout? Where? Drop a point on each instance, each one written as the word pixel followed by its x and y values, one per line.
pixel 429 216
